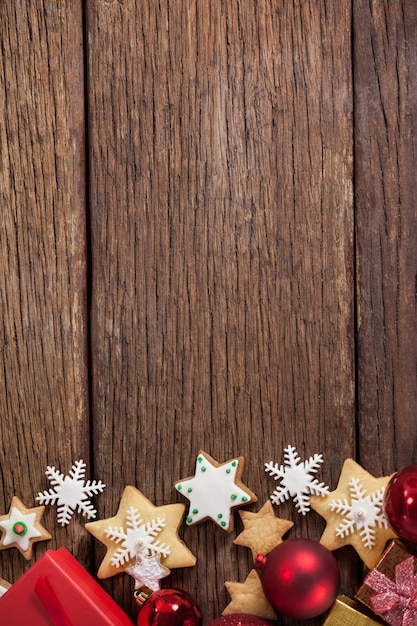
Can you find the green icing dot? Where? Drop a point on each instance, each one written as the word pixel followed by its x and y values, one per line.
pixel 220 515
pixel 189 490
pixel 189 520
pixel 234 463
pixel 223 524
pixel 245 499
pixel 195 511
pixel 228 470
pixel 204 469
pixel 20 528
pixel 233 496
pixel 179 487
pixel 200 459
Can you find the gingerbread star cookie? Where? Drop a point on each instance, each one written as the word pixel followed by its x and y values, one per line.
pixel 4 586
pixel 215 490
pixel 21 528
pixel 141 527
pixel 263 531
pixel 249 597
pixel 354 513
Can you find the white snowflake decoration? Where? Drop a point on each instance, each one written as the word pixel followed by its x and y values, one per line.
pixel 70 492
pixel 296 479
pixel 137 532
pixel 362 513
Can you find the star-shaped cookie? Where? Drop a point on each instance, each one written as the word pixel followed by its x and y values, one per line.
pixel 215 490
pixel 21 528
pixel 249 597
pixel 354 513
pixel 4 586
pixel 138 521
pixel 263 530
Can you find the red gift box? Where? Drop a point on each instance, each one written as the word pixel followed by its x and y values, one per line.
pixel 58 591
pixel 390 588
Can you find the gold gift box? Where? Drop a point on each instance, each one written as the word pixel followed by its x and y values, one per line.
pixel 345 612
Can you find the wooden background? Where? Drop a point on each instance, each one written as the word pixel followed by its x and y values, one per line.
pixel 208 240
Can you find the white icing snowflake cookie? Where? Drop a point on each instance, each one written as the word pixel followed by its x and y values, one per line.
pixel 296 479
pixel 141 529
pixel 215 490
pixel 354 513
pixel 21 528
pixel 71 492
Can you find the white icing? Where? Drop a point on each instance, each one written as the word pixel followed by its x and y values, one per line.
pixel 11 537
pixel 212 492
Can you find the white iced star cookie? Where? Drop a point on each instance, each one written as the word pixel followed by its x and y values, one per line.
pixel 21 528
pixel 139 521
pixel 215 490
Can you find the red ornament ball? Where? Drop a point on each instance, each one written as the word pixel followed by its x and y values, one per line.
pixel 239 619
pixel 400 503
pixel 300 578
pixel 170 607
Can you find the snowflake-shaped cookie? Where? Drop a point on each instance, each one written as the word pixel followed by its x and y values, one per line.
pixel 354 513
pixel 71 492
pixel 296 478
pixel 136 532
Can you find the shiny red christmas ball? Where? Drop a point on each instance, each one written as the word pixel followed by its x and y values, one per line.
pixel 400 503
pixel 239 619
pixel 170 607
pixel 300 578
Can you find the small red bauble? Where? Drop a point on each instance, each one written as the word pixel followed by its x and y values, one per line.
pixel 400 503
pixel 239 619
pixel 170 607
pixel 300 578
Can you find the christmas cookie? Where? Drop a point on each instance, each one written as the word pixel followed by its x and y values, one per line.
pixel 249 597
pixel 354 513
pixel 214 490
pixel 263 531
pixel 4 586
pixel 296 479
pixel 21 528
pixel 140 527
pixel 71 492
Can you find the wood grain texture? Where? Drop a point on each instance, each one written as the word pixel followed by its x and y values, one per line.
pixel 43 329
pixel 385 176
pixel 222 243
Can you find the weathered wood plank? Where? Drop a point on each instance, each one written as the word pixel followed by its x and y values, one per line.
pixel 43 329
pixel 385 191
pixel 222 240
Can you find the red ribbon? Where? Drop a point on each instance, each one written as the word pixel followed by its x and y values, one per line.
pixel 396 601
pixel 51 603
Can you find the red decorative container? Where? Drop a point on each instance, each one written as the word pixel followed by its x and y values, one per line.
pixel 58 591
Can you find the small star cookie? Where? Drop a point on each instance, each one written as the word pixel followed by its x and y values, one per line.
pixel 354 513
pixel 215 490
pixel 4 586
pixel 21 528
pixel 263 531
pixel 249 597
pixel 139 525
